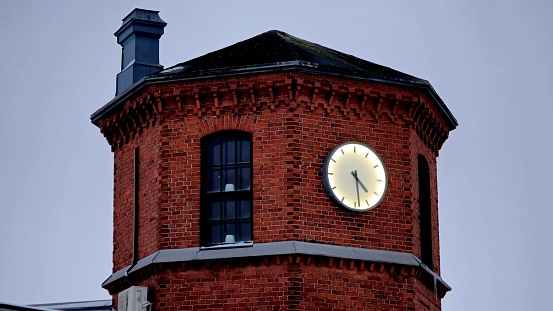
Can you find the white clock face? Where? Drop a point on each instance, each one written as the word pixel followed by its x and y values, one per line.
pixel 354 177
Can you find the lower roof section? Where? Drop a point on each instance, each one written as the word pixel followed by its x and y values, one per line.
pixel 275 249
pixel 4 306
pixel 93 305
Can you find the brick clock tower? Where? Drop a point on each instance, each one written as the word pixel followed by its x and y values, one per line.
pixel 273 174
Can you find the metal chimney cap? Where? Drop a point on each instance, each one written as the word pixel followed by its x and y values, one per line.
pixel 143 17
pixel 143 14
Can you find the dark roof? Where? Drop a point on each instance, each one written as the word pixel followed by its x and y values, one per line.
pixel 4 306
pixel 279 48
pixel 93 305
pixel 274 51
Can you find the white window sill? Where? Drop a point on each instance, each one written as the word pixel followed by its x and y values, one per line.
pixel 227 245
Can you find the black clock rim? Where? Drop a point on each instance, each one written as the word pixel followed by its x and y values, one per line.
pixel 326 183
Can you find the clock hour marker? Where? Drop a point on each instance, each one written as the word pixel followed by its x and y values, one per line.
pixel 330 173
pixel 354 204
pixel 367 155
pixel 376 193
pixel 342 199
pixel 353 149
pixel 367 203
pixel 379 180
pixel 333 160
pixel 342 150
pixel 375 166
pixel 333 188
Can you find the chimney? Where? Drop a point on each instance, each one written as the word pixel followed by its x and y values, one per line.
pixel 139 36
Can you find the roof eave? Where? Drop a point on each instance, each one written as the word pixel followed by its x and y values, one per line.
pixel 275 67
pixel 197 254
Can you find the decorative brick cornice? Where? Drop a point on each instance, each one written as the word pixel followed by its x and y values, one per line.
pixel 256 94
pixel 136 115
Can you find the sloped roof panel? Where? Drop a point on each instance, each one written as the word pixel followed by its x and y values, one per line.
pixel 276 47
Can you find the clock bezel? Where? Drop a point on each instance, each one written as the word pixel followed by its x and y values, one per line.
pixel 326 182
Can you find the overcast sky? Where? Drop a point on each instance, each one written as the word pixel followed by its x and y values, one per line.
pixel 490 61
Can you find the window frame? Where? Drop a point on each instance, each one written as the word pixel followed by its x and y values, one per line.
pixel 222 196
pixel 425 212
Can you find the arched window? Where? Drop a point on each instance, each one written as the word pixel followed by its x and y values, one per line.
pixel 226 191
pixel 425 216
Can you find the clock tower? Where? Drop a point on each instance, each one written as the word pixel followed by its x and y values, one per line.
pixel 273 174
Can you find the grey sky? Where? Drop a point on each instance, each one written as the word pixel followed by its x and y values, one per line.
pixel 490 61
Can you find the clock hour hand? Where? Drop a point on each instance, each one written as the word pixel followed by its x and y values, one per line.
pixel 354 173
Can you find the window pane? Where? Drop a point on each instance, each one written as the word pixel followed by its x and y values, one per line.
pixel 245 231
pixel 215 211
pixel 229 179
pixel 215 237
pixel 244 151
pixel 213 179
pixel 214 152
pixel 230 229
pixel 244 177
pixel 245 208
pixel 229 150
pixel 230 209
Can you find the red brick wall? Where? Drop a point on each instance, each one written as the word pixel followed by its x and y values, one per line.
pixel 418 147
pixel 317 218
pixel 426 299
pixel 295 119
pixel 181 166
pixel 149 194
pixel 313 285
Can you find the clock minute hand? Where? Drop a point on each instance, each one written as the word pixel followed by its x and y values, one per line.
pixel 359 181
pixel 356 187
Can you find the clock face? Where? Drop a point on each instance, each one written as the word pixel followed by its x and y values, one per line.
pixel 354 177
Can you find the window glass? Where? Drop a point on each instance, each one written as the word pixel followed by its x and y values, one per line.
pixel 214 179
pixel 215 211
pixel 245 151
pixel 226 207
pixel 244 182
pixel 245 231
pixel 229 150
pixel 230 209
pixel 244 209
pixel 231 230
pixel 215 234
pixel 214 152
pixel 229 179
